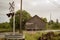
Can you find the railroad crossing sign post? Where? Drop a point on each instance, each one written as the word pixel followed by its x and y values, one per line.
pixel 12 14
pixel 15 36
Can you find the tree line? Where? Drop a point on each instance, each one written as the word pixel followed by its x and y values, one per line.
pixel 26 16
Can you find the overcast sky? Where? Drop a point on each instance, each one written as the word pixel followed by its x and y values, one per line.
pixel 42 8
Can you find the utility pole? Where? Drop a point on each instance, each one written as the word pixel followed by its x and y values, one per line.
pixel 20 15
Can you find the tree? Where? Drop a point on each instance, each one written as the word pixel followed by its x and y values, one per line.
pixel 25 17
pixel 54 25
pixel 57 21
pixel 51 22
pixel 44 19
pixel 4 25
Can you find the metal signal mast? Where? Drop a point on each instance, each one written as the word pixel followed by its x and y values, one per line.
pixel 12 13
pixel 15 36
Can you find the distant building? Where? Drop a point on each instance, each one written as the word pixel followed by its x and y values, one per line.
pixel 35 24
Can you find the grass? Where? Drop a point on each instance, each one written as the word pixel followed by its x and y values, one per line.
pixel 32 36
pixel 35 36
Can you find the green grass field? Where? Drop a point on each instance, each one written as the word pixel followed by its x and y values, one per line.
pixel 35 36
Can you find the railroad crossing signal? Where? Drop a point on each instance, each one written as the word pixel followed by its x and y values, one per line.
pixel 10 14
pixel 11 9
pixel 14 36
pixel 11 6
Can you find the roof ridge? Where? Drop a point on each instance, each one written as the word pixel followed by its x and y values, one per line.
pixel 37 17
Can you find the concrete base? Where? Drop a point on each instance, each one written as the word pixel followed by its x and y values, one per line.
pixel 15 37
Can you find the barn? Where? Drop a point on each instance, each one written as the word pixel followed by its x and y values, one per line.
pixel 35 24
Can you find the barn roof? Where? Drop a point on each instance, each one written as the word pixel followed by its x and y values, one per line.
pixel 37 17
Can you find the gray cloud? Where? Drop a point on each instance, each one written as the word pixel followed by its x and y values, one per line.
pixel 42 8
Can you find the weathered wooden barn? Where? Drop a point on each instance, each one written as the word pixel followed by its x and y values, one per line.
pixel 35 24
